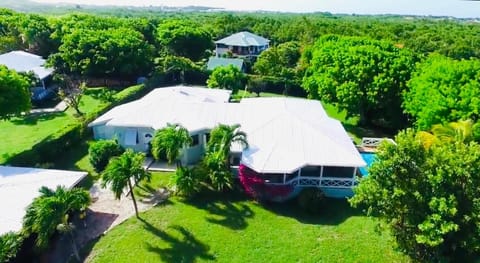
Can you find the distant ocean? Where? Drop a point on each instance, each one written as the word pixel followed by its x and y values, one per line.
pixel 455 8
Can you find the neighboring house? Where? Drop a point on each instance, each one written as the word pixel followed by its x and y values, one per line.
pixel 215 62
pixel 19 186
pixel 242 44
pixel 25 62
pixel 292 141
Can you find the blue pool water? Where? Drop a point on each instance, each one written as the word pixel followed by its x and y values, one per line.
pixel 369 158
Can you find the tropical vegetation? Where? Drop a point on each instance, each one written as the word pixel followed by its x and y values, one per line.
pixel 123 172
pixel 51 209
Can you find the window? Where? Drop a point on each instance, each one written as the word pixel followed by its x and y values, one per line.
pixel 131 138
pixel 195 140
pixel 207 137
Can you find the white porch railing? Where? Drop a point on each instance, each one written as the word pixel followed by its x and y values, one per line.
pixel 331 182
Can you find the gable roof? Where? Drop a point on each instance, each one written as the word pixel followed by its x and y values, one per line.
pixel 19 186
pixel 22 61
pixel 243 39
pixel 214 62
pixel 284 134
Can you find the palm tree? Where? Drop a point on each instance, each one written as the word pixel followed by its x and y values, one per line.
pixel 48 210
pixel 217 157
pixel 121 170
pixel 223 136
pixel 171 140
pixel 460 131
pixel 66 227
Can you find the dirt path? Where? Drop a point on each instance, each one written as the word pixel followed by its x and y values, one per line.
pixel 105 213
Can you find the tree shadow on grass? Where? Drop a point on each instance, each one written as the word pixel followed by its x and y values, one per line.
pixel 332 212
pixel 34 119
pixel 186 248
pixel 226 209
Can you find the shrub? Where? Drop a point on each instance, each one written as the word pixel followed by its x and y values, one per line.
pixel 255 187
pixel 10 244
pixel 100 153
pixel 219 174
pixel 311 200
pixel 186 182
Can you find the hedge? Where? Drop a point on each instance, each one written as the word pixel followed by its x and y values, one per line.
pixel 47 150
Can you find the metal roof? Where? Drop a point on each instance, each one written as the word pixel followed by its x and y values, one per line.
pixel 243 39
pixel 20 185
pixel 22 61
pixel 284 134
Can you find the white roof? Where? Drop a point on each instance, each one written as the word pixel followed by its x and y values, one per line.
pixel 22 61
pixel 243 39
pixel 19 186
pixel 284 134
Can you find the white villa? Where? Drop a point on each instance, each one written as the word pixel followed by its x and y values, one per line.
pixel 292 141
pixel 242 44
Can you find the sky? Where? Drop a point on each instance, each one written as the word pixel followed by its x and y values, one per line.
pixel 456 8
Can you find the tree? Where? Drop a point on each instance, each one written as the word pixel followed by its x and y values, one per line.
pixel 226 77
pixel 222 137
pixel 114 52
pixel 184 39
pixel 66 227
pixel 365 77
pixel 279 61
pixel 100 152
pixel 14 93
pixel 176 66
pixel 427 196
pixel 443 90
pixel 170 141
pixel 120 172
pixel 217 157
pixel 71 91
pixel 48 210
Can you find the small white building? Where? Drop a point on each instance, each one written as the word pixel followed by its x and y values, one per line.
pixel 25 62
pixel 20 185
pixel 292 141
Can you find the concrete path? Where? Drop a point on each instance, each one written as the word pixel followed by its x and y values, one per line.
pixel 60 107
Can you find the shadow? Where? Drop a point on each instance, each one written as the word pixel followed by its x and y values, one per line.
pixel 33 119
pixel 224 209
pixel 87 233
pixel 69 158
pixel 333 212
pixel 183 246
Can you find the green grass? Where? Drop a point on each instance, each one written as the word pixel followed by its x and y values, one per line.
pixel 20 134
pixel 228 228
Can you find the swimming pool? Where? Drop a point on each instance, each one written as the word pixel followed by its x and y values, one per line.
pixel 368 158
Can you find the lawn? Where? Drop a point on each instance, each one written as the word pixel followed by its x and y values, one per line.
pixel 20 134
pixel 230 228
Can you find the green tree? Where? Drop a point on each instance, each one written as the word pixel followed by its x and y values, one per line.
pixel 115 52
pixel 443 90
pixel 279 61
pixel 427 196
pixel 222 137
pixel 14 93
pixel 227 77
pixel 48 210
pixel 176 66
pixel 217 158
pixel 184 39
pixel 100 152
pixel 170 141
pixel 120 172
pixel 365 77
